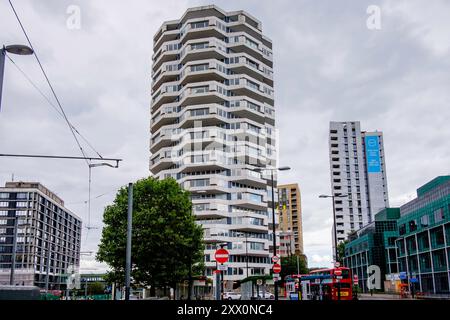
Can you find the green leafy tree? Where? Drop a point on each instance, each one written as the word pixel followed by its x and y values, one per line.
pixel 341 251
pixel 95 288
pixel 289 265
pixel 166 241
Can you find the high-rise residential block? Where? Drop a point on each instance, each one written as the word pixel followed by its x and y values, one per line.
pixel 45 234
pixel 290 219
pixel 212 124
pixel 358 170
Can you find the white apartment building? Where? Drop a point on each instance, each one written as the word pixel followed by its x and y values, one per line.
pixel 358 170
pixel 212 124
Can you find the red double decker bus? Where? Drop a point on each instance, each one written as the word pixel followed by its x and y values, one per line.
pixel 331 284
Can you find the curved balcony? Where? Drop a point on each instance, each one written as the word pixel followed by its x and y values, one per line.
pixel 241 43
pixel 215 27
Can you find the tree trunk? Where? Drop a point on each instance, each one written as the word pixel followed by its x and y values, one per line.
pixel 152 291
pixel 190 281
pixel 174 286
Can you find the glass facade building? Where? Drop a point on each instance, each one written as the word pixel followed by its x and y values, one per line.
pixel 423 246
pixel 374 245
pixel 413 240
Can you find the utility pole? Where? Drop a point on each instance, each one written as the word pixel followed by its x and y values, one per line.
pixel 14 249
pixel 274 232
pixel 128 253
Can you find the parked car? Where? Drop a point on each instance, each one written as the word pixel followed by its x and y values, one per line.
pixel 267 296
pixel 232 296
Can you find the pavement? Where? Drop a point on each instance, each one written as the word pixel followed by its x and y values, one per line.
pixel 381 296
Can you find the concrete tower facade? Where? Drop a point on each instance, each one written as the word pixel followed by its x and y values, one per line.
pixel 358 169
pixel 212 124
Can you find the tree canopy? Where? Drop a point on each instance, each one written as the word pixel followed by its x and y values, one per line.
pixel 289 265
pixel 341 251
pixel 166 241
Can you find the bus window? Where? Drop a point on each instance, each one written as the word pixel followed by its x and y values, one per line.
pixel 342 285
pixel 345 273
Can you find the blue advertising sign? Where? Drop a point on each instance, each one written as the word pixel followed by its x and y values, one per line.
pixel 373 154
pixel 414 280
pixel 402 275
pixel 293 296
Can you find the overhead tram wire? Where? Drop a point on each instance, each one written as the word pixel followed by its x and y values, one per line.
pixel 28 78
pixel 88 162
pixel 48 82
pixel 93 198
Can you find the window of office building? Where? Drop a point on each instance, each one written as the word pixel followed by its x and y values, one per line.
pixel 424 221
pixel 437 237
pixel 439 215
pixel 412 225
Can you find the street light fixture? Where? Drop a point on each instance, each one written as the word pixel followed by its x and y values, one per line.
pixel 13 49
pixel 273 215
pixel 337 195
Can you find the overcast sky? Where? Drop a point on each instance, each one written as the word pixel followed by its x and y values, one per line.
pixel 328 67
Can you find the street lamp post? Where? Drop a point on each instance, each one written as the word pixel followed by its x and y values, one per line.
pixel 14 49
pixel 244 234
pixel 273 215
pixel 337 195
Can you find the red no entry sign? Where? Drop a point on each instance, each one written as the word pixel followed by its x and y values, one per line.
pixel 355 279
pixel 221 255
pixel 338 272
pixel 276 268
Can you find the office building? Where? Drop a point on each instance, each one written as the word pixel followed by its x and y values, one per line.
pixel 212 124
pixel 358 170
pixel 46 236
pixel 410 245
pixel 290 219
pixel 423 246
pixel 374 244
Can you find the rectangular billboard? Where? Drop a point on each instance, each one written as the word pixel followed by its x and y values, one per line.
pixel 373 154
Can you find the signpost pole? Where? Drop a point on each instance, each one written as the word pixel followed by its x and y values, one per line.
pixel 221 257
pixel 221 284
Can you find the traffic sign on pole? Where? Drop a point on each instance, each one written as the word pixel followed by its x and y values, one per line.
pixel 276 268
pixel 337 264
pixel 221 255
pixel 275 259
pixel 338 272
pixel 355 279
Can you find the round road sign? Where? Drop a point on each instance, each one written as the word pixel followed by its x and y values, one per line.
pixel 275 259
pixel 276 268
pixel 338 272
pixel 221 255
